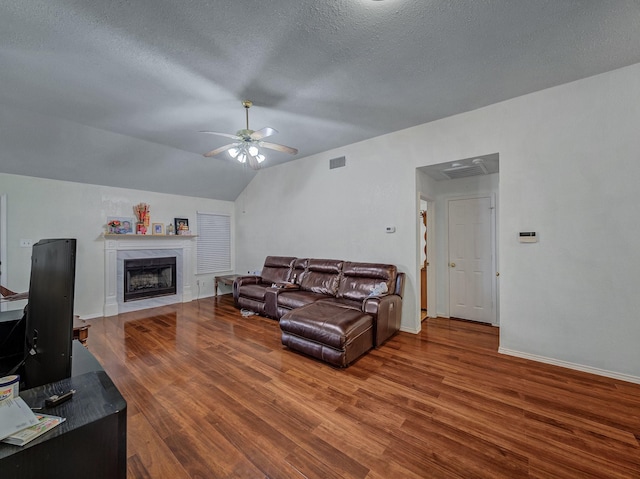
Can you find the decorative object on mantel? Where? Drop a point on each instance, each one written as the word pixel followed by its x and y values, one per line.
pixel 158 229
pixel 182 226
pixel 119 225
pixel 170 230
pixel 142 213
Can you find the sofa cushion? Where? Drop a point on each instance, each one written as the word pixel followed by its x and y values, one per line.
pixel 277 269
pixel 253 291
pixel 322 276
pixel 359 279
pixel 343 302
pixel 297 299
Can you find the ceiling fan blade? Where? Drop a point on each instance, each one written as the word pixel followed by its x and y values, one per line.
pixel 253 162
pixel 219 150
pixel 263 133
pixel 283 148
pixel 226 135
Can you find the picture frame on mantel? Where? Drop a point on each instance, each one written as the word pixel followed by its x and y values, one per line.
pixel 124 225
pixel 181 224
pixel 157 228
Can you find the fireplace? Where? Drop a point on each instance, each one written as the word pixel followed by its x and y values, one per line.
pixel 121 248
pixel 149 278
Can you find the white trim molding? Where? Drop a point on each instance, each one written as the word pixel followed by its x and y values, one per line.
pixel 566 364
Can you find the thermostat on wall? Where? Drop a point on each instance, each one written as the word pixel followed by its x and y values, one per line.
pixel 528 237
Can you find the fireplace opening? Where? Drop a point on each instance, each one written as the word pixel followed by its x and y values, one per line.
pixel 149 277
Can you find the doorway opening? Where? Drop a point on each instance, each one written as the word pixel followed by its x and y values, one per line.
pixel 424 261
pixel 461 179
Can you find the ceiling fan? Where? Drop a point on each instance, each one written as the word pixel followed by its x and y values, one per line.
pixel 246 148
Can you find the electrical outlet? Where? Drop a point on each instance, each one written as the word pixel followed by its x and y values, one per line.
pixel 26 243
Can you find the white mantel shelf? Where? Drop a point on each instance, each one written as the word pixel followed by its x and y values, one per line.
pixel 117 236
pixel 116 245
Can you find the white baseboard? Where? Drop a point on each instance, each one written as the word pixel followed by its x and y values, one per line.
pixel 566 364
pixel 410 330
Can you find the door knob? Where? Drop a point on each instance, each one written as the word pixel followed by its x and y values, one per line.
pixel 453 265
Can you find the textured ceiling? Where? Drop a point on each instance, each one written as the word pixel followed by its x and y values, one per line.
pixel 115 92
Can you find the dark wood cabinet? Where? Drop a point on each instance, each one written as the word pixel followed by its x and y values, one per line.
pixel 92 442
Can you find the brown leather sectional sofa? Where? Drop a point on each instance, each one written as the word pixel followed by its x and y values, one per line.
pixel 333 310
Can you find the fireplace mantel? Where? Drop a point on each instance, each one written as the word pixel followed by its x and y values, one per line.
pixel 147 237
pixel 115 246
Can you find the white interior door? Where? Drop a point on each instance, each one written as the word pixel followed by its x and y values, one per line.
pixel 471 276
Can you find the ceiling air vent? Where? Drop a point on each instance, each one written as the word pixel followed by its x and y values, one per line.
pixel 337 162
pixel 463 171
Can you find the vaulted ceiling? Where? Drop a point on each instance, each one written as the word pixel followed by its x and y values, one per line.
pixel 115 92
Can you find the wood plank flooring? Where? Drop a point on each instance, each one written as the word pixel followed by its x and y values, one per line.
pixel 212 394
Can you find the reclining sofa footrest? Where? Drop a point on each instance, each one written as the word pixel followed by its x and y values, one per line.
pixel 328 332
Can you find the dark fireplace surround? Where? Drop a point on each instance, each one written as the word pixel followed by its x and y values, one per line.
pixel 146 278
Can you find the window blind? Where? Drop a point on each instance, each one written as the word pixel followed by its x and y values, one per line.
pixel 214 243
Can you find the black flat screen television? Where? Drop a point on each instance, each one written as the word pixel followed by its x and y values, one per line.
pixel 49 313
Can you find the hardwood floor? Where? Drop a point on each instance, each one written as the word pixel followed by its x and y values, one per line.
pixel 212 394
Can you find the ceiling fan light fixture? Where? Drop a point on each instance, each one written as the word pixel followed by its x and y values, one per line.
pixel 249 143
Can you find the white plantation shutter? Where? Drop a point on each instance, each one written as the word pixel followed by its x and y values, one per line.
pixel 214 243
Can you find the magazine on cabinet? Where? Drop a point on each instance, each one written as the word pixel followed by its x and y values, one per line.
pixel 45 423
pixel 15 415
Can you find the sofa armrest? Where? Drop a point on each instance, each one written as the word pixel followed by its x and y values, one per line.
pixel 387 314
pixel 248 279
pixel 241 280
pixel 271 302
pixel 271 297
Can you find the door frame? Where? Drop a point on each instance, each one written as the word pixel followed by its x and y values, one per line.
pixel 494 252
pixel 3 245
pixel 432 310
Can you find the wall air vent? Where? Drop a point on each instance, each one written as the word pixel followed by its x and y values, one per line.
pixel 337 162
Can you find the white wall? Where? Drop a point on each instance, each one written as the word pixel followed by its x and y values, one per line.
pixel 569 170
pixel 39 208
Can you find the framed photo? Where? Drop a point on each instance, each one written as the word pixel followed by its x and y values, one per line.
pixel 120 225
pixel 158 228
pixel 181 224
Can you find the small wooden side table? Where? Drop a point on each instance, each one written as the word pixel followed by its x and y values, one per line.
pixel 226 279
pixel 81 330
